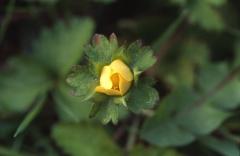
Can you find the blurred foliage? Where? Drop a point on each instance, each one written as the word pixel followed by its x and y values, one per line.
pixel 196 75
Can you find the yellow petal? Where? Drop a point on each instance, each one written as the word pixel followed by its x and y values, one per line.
pixel 100 89
pixel 118 66
pixel 124 85
pixel 105 78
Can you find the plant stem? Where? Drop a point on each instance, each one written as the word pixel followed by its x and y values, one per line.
pixel 132 134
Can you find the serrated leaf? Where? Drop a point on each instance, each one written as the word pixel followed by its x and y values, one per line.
pixel 83 83
pixel 223 147
pixel 84 139
pixel 141 57
pixel 70 108
pixel 179 121
pixel 142 97
pixel 108 112
pixel 61 47
pixel 229 96
pixel 101 52
pixel 20 83
pixel 202 120
pixel 204 15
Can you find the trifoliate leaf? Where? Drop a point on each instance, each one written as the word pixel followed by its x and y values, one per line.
pixel 141 58
pixel 84 140
pixel 70 108
pixel 142 97
pixel 61 47
pixel 83 82
pixel 20 83
pixel 223 147
pixel 179 120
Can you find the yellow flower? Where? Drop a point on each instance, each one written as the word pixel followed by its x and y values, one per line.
pixel 115 79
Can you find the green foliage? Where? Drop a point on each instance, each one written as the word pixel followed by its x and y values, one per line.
pixel 61 47
pixel 178 68
pixel 141 97
pixel 223 147
pixel 73 138
pixel 21 82
pixel 31 115
pixel 83 82
pixel 69 107
pixel 185 115
pixel 140 150
pixel 141 57
pixel 203 13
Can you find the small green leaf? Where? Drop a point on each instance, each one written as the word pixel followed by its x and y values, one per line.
pixel 204 15
pixel 108 112
pixel 61 47
pixel 84 140
pixel 20 83
pixel 141 97
pixel 223 147
pixel 141 57
pixel 83 83
pixel 31 115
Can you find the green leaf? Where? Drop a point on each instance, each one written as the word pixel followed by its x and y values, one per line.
pixel 204 15
pixel 141 58
pixel 223 147
pixel 102 51
pixel 179 121
pixel 140 150
pixel 108 111
pixel 84 139
pixel 216 2
pixel 83 82
pixel 201 52
pixel 226 98
pixel 207 78
pixel 69 107
pixel 20 83
pixel 202 120
pixel 31 115
pixel 10 152
pixel 142 97
pixel 61 47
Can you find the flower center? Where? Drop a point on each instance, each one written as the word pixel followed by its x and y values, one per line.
pixel 115 81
